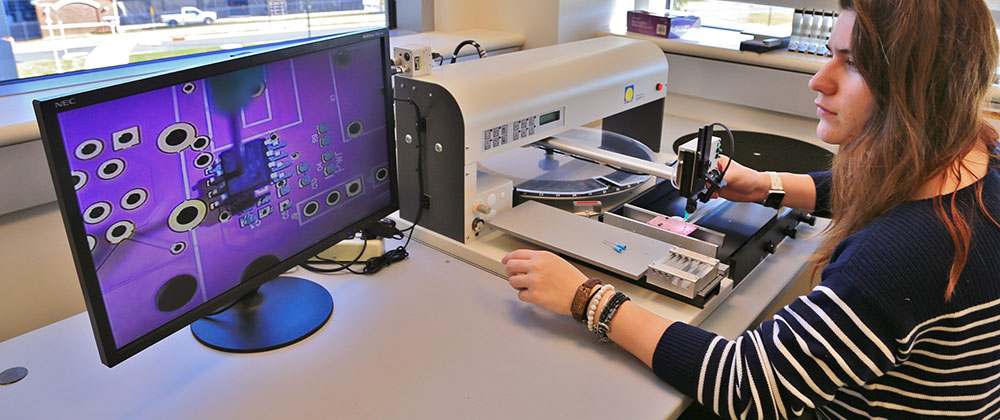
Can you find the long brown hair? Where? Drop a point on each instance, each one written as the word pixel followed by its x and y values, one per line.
pixel 929 65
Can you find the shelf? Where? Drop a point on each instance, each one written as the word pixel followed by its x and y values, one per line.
pixel 724 45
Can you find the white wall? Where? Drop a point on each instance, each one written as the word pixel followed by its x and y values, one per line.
pixel 455 15
pixel 415 15
pixel 581 19
pixel 38 283
pixel 24 176
pixel 542 22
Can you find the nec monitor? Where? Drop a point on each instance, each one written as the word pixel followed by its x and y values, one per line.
pixel 183 192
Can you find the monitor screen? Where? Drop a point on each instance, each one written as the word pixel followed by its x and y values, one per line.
pixel 183 190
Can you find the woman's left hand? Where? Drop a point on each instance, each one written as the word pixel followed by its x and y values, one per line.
pixel 544 279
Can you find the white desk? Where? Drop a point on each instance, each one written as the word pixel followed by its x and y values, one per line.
pixel 430 337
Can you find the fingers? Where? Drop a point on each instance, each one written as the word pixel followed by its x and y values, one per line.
pixel 515 266
pixel 524 295
pixel 519 281
pixel 519 254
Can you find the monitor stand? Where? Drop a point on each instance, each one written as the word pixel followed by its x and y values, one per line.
pixel 280 312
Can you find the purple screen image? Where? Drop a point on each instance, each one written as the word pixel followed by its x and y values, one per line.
pixel 187 190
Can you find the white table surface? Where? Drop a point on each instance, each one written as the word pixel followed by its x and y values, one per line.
pixel 429 337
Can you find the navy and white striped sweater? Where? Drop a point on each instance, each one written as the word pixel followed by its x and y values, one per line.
pixel 875 339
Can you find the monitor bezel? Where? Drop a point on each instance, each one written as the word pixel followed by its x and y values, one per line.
pixel 46 113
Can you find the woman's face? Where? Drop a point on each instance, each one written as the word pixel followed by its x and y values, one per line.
pixel 844 102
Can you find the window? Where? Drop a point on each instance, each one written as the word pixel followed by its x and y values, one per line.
pixel 746 17
pixel 727 18
pixel 51 37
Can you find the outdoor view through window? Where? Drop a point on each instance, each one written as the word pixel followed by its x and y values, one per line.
pixel 60 36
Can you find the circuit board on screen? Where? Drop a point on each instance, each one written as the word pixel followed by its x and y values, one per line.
pixel 188 190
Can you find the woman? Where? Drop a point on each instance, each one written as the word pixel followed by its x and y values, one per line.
pixel 905 322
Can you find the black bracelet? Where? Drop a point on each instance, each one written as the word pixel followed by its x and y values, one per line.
pixel 602 327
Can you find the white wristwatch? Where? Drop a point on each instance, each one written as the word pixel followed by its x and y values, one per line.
pixel 776 194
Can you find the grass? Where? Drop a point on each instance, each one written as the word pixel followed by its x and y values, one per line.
pixel 765 18
pixel 137 58
pixel 46 67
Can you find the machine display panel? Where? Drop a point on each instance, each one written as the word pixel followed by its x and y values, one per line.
pixel 547 118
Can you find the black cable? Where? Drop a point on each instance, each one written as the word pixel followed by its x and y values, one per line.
pixel 421 126
pixel 374 264
pixel 439 57
pixel 732 147
pixel 717 184
pixel 311 265
pixel 400 253
pixel 383 229
pixel 479 49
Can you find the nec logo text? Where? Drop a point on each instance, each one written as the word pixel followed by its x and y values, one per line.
pixel 66 102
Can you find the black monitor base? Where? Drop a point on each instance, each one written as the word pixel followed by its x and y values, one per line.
pixel 281 312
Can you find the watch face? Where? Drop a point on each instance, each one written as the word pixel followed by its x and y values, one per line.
pixel 774 199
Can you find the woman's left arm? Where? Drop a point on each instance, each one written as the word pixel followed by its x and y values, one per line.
pixel 638 331
pixel 812 348
pixel 548 281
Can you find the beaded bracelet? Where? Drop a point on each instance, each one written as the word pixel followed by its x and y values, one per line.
pixel 594 302
pixel 604 325
pixel 592 294
pixel 592 309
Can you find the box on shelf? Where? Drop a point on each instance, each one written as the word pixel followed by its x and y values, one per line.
pixel 661 24
pixel 764 43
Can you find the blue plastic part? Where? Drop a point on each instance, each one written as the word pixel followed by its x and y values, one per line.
pixel 617 247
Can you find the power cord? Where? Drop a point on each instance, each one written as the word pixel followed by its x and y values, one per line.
pixel 421 127
pixel 313 264
pixel 732 146
pixel 479 49
pixel 385 228
pixel 717 184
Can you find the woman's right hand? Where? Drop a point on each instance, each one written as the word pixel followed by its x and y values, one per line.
pixel 742 183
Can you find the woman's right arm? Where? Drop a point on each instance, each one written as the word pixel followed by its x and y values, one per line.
pixel 748 185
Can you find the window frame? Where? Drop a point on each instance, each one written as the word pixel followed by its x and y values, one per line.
pixel 792 4
pixel 123 71
pixel 16 94
pixel 152 66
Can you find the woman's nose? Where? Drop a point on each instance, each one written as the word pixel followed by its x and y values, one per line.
pixel 823 81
